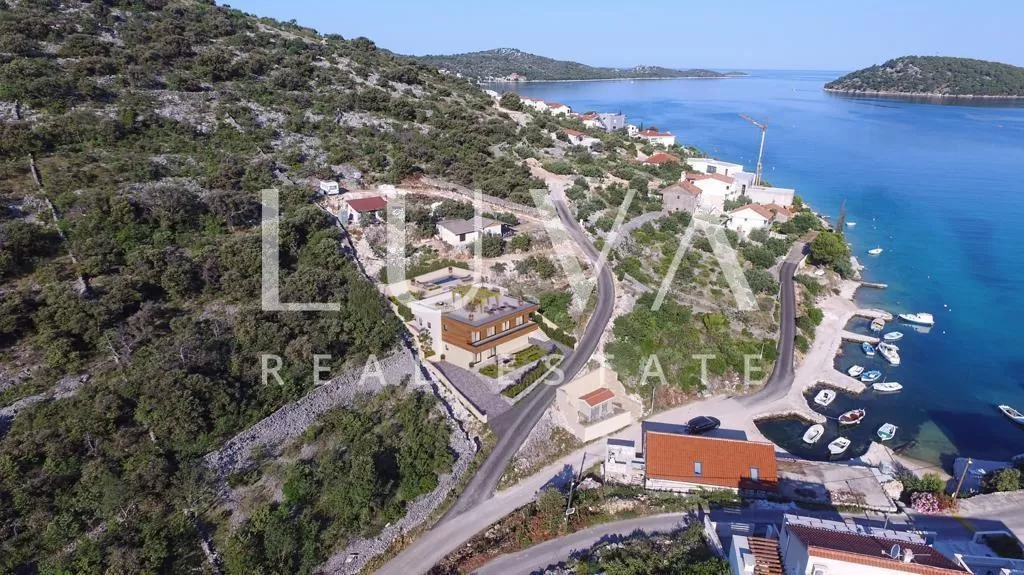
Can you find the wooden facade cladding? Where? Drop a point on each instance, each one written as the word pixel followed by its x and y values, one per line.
pixel 460 334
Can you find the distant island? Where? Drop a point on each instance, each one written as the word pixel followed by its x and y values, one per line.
pixel 511 65
pixel 934 76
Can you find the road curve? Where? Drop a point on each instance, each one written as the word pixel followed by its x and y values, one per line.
pixel 512 427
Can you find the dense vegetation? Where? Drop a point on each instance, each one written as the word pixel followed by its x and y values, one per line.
pixel 154 124
pixel 503 62
pixel 935 75
pixel 685 552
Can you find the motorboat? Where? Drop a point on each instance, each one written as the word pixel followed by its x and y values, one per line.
pixel 871 376
pixel 852 417
pixel 825 397
pixel 869 350
pixel 877 324
pixel 887 386
pixel 875 251
pixel 918 318
pixel 814 433
pixel 855 371
pixel 890 352
pixel 887 432
pixel 851 224
pixel 893 336
pixel 839 445
pixel 1013 414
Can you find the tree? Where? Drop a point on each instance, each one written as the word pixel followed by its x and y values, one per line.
pixel 511 101
pixel 829 248
pixel 1008 479
pixel 520 243
pixel 545 268
pixel 492 246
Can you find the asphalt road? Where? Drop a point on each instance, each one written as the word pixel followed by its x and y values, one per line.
pixel 512 427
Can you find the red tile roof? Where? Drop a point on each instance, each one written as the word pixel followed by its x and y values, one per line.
pixel 371 204
pixel 776 208
pixel 696 177
pixel 724 462
pixel 555 104
pixel 684 186
pixel 650 132
pixel 767 559
pixel 573 132
pixel 763 211
pixel 872 550
pixel 598 396
pixel 588 116
pixel 661 158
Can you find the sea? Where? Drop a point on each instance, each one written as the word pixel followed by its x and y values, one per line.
pixel 938 186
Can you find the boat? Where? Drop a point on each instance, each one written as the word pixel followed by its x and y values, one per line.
pixel 855 371
pixel 890 352
pixel 851 224
pixel 877 324
pixel 869 350
pixel 875 251
pixel 852 417
pixel 871 376
pixel 887 386
pixel 1012 413
pixel 918 318
pixel 814 433
pixel 838 446
pixel 893 336
pixel 825 397
pixel 887 432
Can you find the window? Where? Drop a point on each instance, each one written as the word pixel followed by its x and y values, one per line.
pixel 519 320
pixel 462 237
pixel 475 336
pixel 754 473
pixel 712 169
pixel 698 468
pixel 504 326
pixel 490 331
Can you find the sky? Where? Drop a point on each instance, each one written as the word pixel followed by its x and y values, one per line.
pixel 723 34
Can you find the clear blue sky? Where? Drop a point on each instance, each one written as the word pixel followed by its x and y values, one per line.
pixel 789 34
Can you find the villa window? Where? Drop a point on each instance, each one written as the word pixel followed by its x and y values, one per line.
pixel 462 237
pixel 519 320
pixel 505 326
pixel 698 468
pixel 490 331
pixel 755 473
pixel 475 336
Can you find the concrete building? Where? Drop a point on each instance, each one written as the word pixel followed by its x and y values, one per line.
pixel 655 137
pixel 754 556
pixel 355 208
pixel 621 463
pixel 558 108
pixel 713 166
pixel 612 122
pixel 769 195
pixel 715 190
pixel 591 120
pixel 680 197
pixel 677 461
pixel 578 138
pixel 596 404
pixel 456 232
pixel 748 218
pixel 468 326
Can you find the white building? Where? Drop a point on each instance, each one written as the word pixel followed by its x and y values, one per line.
pixel 715 190
pixel 713 166
pixel 330 188
pixel 458 233
pixel 556 108
pixel 355 208
pixel 578 138
pixel 656 137
pixel 596 404
pixel 748 218
pixel 768 195
pixel 632 131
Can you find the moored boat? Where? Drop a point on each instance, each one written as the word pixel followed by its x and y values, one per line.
pixel 887 432
pixel 871 376
pixel 855 370
pixel 893 336
pixel 869 350
pixel 851 224
pixel 918 318
pixel 875 251
pixel 825 397
pixel 890 352
pixel 887 386
pixel 839 445
pixel 1012 413
pixel 814 433
pixel 852 417
pixel 877 324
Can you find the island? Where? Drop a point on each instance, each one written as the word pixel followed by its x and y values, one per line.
pixel 934 76
pixel 512 65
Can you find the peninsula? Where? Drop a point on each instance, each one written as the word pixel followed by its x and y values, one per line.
pixel 934 76
pixel 509 64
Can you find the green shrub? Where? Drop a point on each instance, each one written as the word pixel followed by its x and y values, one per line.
pixel 531 376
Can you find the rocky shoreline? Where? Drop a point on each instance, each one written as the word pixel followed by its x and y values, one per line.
pixel 928 95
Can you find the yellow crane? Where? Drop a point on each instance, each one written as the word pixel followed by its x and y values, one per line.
pixel 760 152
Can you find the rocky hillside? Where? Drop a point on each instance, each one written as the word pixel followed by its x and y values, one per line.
pixel 504 62
pixel 936 76
pixel 135 136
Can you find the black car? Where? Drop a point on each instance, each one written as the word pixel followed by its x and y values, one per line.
pixel 702 424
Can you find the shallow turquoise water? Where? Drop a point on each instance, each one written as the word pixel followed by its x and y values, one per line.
pixel 937 186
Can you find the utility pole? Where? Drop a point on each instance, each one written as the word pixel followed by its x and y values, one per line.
pixel 962 476
pixel 568 503
pixel 760 151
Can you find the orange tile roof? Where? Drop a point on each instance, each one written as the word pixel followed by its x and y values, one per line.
pixel 698 177
pixel 724 462
pixel 371 204
pixel 598 396
pixel 872 550
pixel 781 209
pixel 661 158
pixel 684 186
pixel 763 211
pixel 767 559
pixel 573 132
pixel 555 104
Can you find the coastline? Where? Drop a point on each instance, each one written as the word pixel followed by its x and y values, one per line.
pixel 925 95
pixel 727 77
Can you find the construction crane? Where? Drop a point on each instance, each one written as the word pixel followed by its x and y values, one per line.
pixel 760 152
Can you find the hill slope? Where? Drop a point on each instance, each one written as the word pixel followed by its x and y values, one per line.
pixel 154 124
pixel 935 75
pixel 503 62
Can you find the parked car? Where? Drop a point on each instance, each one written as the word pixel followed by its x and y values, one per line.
pixel 702 424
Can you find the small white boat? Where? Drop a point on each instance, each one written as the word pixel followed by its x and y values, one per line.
pixel 851 224
pixel 875 251
pixel 893 336
pixel 871 376
pixel 887 386
pixel 814 433
pixel 918 318
pixel 890 352
pixel 825 397
pixel 887 432
pixel 877 324
pixel 852 417
pixel 1012 413
pixel 869 350
pixel 838 446
pixel 855 371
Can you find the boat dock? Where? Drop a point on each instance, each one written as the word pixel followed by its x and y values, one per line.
pixel 874 285
pixel 859 338
pixel 874 314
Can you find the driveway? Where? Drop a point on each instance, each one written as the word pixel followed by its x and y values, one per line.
pixel 470 385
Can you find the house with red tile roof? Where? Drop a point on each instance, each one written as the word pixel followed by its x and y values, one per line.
pixel 659 158
pixel 750 217
pixel 354 208
pixel 680 197
pixel 677 461
pixel 716 188
pixel 653 136
pixel 578 138
pixel 596 404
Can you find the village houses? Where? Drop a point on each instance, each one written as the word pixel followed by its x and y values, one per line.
pixel 655 137
pixel 680 197
pixel 355 208
pixel 458 232
pixel 715 190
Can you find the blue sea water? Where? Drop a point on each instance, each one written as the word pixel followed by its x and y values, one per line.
pixel 939 187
